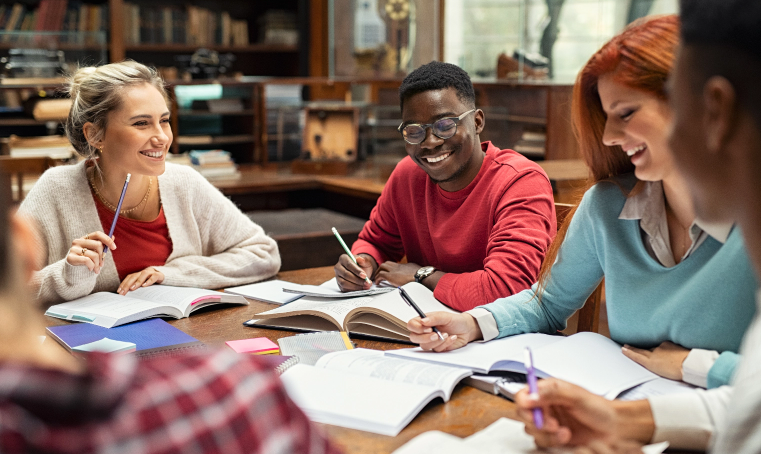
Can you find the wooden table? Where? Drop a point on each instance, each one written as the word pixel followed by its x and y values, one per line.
pixel 468 411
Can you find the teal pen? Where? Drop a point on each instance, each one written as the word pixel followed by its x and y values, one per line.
pixel 348 252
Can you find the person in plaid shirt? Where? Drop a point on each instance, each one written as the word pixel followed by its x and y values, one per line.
pixel 52 402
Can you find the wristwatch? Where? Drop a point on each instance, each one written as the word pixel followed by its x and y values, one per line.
pixel 423 273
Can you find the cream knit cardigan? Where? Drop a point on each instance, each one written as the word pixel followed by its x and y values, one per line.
pixel 214 245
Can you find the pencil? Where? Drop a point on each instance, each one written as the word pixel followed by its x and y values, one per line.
pixel 118 209
pixel 348 252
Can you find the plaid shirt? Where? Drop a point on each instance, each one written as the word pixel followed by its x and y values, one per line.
pixel 217 403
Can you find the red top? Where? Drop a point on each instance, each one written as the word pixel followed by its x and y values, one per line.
pixel 139 244
pixel 490 237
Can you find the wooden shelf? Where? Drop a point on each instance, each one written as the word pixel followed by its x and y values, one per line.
pixel 252 48
pixel 219 140
pixel 204 113
pixel 24 121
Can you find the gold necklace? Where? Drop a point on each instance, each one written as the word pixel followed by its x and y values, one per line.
pixel 113 208
pixel 686 240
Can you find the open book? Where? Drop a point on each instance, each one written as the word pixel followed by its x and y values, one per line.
pixel 384 316
pixel 589 360
pixel 111 309
pixel 365 390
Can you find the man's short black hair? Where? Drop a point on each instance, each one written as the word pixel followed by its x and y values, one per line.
pixel 725 36
pixel 437 75
pixel 735 24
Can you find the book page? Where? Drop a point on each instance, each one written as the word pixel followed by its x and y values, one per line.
pixel 591 361
pixel 373 363
pixel 483 357
pixel 393 305
pixel 106 309
pixel 335 310
pixel 363 403
pixel 180 297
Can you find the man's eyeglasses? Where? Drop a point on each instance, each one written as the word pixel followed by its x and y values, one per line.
pixel 443 128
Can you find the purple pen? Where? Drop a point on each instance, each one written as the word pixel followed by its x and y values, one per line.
pixel 528 361
pixel 118 209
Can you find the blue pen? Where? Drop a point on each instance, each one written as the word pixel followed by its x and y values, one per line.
pixel 118 209
pixel 528 361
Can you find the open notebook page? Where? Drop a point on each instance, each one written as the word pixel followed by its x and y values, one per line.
pixel 373 363
pixel 330 289
pixel 482 357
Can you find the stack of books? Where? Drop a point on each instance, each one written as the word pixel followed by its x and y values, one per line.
pixel 214 163
pixel 278 27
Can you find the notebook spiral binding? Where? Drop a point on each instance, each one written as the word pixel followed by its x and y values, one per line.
pixel 177 351
pixel 287 364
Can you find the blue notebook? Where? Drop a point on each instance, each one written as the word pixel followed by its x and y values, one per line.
pixel 151 337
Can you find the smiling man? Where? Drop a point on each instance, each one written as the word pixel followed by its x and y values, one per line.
pixel 473 221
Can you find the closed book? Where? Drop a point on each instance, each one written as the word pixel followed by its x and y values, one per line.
pixel 152 337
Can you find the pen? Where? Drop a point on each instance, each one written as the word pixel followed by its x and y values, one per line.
pixel 348 252
pixel 528 361
pixel 118 209
pixel 406 297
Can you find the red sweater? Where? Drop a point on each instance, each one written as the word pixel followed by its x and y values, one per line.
pixel 139 244
pixel 490 237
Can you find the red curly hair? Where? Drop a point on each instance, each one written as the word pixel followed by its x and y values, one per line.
pixel 640 57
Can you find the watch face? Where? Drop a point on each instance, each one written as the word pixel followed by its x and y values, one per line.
pixel 424 272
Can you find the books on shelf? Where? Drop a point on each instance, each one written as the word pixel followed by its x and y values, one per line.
pixel 214 163
pixel 189 25
pixel 55 147
pixel 54 16
pixel 111 309
pixel 383 316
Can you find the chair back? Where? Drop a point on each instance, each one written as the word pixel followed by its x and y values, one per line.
pixel 16 168
pixel 589 314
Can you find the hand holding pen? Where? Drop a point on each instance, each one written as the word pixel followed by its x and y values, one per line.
pixel 353 272
pixel 90 251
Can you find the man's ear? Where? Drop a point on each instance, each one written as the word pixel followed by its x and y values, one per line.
pixel 720 102
pixel 480 120
pixel 90 131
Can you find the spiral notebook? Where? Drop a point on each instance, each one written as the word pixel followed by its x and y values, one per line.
pixel 152 337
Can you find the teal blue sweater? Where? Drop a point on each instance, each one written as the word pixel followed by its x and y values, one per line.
pixel 707 301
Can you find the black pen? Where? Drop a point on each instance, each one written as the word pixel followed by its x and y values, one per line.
pixel 412 304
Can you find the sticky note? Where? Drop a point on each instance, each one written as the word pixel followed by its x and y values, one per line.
pixel 259 346
pixel 107 345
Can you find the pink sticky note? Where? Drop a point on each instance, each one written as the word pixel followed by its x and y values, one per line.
pixel 257 345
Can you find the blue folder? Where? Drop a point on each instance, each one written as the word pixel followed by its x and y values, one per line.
pixel 151 337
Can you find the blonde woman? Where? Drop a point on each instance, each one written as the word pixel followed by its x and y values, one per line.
pixel 174 227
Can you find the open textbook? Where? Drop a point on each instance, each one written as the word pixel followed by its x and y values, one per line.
pixel 366 390
pixel 384 316
pixel 589 360
pixel 111 309
pixel 504 436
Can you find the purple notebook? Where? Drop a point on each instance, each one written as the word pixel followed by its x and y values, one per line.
pixel 151 337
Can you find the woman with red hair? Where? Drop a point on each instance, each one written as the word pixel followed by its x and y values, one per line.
pixel 679 292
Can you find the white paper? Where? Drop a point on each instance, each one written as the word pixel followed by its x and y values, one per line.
pixel 658 387
pixel 268 291
pixel 504 436
pixel 330 289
